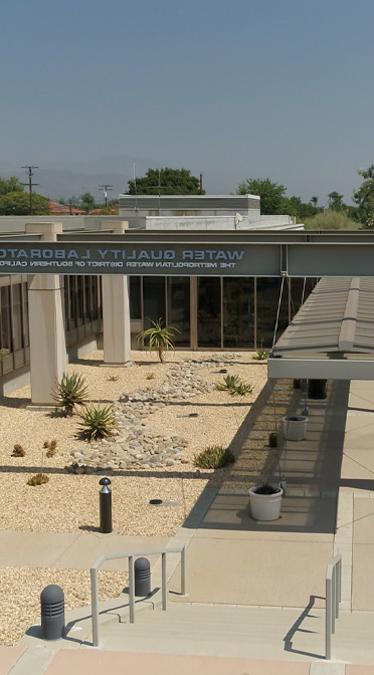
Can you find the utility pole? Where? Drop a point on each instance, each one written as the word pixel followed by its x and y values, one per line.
pixel 201 183
pixel 105 188
pixel 29 170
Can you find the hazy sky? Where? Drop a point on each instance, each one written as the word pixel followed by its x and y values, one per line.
pixel 278 88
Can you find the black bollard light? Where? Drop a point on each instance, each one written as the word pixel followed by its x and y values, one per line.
pixel 142 570
pixel 52 610
pixel 105 506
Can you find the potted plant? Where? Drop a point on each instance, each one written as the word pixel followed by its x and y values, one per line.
pixel 294 427
pixel 265 501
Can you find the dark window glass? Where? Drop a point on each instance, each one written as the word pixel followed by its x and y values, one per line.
pixel 179 308
pixel 81 317
pixel 72 310
pixel 154 300
pixel 96 307
pixel 17 317
pixel 238 312
pixel 135 297
pixel 209 312
pixel 5 328
pixel 267 303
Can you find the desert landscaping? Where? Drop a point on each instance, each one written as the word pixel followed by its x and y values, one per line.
pixel 166 414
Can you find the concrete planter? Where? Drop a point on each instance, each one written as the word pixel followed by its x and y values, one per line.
pixel 265 506
pixel 294 427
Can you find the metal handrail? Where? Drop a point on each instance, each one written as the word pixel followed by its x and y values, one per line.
pixel 333 598
pixel 131 555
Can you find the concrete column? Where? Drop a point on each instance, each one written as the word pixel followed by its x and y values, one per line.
pixel 116 309
pixel 48 358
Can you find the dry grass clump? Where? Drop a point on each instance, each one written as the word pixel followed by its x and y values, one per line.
pixel 214 457
pixel 51 447
pixel 38 479
pixel 18 451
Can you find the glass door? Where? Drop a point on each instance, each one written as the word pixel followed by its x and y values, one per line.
pixel 179 309
pixel 209 328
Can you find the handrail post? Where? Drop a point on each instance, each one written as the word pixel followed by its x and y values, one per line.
pixel 95 609
pixel 333 599
pixel 163 583
pixel 131 589
pixel 328 619
pixel 183 571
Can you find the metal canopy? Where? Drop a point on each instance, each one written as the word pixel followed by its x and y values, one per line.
pixel 332 335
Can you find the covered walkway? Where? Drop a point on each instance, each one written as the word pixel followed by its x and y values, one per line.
pixel 332 335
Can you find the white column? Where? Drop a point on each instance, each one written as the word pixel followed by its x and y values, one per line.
pixel 48 358
pixel 116 309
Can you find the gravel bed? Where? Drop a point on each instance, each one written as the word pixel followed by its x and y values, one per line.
pixel 20 604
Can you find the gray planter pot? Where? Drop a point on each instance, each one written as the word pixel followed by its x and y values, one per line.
pixel 294 427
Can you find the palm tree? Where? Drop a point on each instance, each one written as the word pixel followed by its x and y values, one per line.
pixel 158 338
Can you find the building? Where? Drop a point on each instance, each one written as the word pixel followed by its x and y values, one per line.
pixel 209 312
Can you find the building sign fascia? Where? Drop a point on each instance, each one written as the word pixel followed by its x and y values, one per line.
pixel 139 258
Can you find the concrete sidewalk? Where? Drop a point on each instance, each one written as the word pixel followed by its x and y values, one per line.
pixel 65 550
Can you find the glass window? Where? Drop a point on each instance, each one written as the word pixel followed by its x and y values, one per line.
pixel 238 312
pixel 154 299
pixel 5 327
pixel 17 317
pixel 179 308
pixel 209 312
pixel 268 290
pixel 135 297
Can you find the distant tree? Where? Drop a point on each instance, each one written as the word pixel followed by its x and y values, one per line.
pixel 272 194
pixel 87 201
pixel 331 219
pixel 364 198
pixel 17 204
pixel 336 201
pixel 167 181
pixel 293 206
pixel 11 184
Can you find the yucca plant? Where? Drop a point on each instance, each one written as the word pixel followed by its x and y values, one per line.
pixel 158 338
pixel 71 391
pixel 97 422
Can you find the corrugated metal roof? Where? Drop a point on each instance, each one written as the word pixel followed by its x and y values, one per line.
pixel 338 316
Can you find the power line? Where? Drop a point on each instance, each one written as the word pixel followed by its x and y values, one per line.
pixel 29 170
pixel 105 188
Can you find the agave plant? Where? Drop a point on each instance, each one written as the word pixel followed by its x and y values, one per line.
pixel 158 338
pixel 97 422
pixel 71 391
pixel 234 385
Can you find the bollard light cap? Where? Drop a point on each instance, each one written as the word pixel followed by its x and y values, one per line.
pixel 105 481
pixel 52 594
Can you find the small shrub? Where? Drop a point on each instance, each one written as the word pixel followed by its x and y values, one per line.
pixel 234 385
pixel 261 355
pixel 98 422
pixel 38 479
pixel 18 451
pixel 71 391
pixel 150 376
pixel 214 457
pixel 113 378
